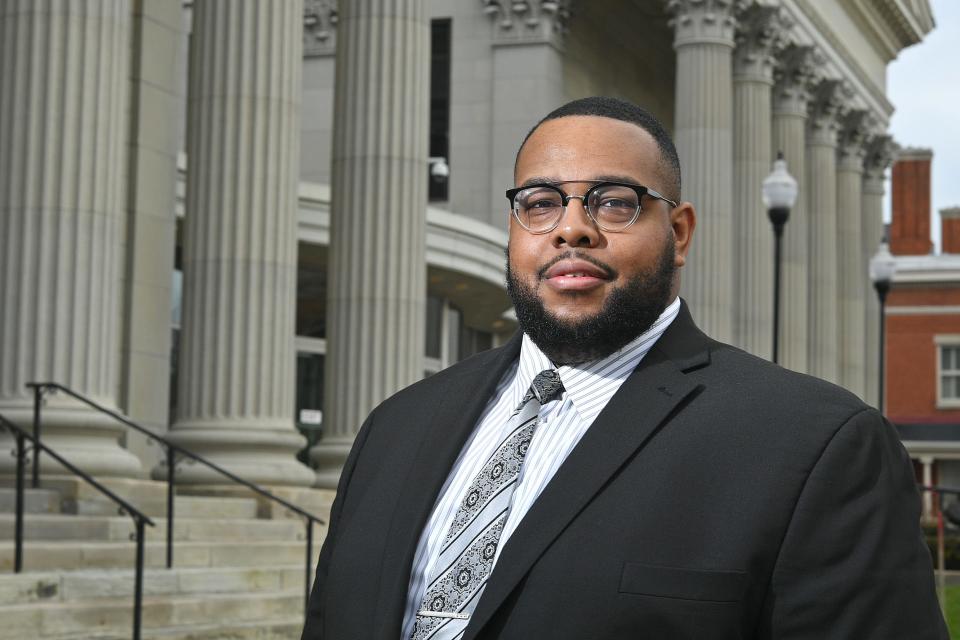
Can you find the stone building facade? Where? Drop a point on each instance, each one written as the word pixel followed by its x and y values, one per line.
pixel 232 219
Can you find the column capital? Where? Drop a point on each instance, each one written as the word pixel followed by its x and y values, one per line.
pixel 881 150
pixel 528 21
pixel 319 28
pixel 704 21
pixel 826 112
pixel 852 139
pixel 796 75
pixel 760 32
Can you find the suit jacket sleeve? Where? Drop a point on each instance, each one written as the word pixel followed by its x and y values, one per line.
pixel 853 563
pixel 313 628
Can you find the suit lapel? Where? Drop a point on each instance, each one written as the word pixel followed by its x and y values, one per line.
pixel 460 403
pixel 646 401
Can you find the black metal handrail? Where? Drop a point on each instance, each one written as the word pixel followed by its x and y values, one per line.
pixel 139 518
pixel 172 450
pixel 939 489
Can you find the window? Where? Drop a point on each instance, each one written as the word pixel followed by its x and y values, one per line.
pixel 948 372
pixel 449 340
pixel 311 356
pixel 439 105
pixel 176 321
pixel 311 291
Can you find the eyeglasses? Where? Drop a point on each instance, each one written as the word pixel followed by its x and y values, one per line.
pixel 612 206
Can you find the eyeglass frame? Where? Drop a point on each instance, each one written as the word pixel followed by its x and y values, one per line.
pixel 565 198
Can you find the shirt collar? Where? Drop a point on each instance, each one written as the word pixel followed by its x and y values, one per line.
pixel 590 385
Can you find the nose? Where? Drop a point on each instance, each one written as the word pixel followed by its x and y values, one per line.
pixel 576 228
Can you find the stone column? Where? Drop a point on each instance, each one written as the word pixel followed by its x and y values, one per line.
pixel 63 115
pixel 155 100
pixel 758 34
pixel 377 288
pixel 790 102
pixel 236 384
pixel 703 132
pixel 879 157
pixel 852 270
pixel 821 191
pixel 528 40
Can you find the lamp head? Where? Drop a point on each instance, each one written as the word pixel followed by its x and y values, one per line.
pixel 439 169
pixel 882 265
pixel 779 188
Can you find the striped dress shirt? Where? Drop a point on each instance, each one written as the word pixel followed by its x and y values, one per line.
pixel 587 389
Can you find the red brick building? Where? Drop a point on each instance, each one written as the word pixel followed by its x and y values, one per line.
pixel 922 386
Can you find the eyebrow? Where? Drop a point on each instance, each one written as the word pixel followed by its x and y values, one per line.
pixel 598 178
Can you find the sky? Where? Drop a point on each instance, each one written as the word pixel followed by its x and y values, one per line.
pixel 923 83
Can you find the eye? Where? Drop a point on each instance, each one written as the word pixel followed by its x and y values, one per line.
pixel 542 203
pixel 539 198
pixel 618 203
pixel 614 198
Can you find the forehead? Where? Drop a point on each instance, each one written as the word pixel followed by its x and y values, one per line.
pixel 584 147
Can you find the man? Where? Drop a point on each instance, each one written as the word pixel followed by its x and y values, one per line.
pixel 612 472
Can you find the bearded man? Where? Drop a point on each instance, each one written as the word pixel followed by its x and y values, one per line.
pixel 612 472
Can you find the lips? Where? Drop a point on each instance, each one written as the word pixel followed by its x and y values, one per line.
pixel 575 275
pixel 576 269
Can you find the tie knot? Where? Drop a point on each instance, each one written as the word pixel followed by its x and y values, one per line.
pixel 547 386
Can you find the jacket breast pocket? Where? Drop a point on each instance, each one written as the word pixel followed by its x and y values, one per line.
pixel 683 583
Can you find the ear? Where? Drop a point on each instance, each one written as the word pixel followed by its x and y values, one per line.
pixel 683 220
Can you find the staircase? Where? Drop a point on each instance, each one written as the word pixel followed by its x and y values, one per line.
pixel 238 570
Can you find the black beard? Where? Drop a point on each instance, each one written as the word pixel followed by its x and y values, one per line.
pixel 629 311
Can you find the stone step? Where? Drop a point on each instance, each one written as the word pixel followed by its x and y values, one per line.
pixel 114 616
pixel 80 527
pixel 71 487
pixel 86 584
pixel 284 629
pixel 35 500
pixel 46 555
pixel 288 628
pixel 185 506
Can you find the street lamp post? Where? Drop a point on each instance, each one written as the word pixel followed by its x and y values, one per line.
pixel 779 195
pixel 882 267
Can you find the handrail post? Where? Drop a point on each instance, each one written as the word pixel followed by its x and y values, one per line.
pixel 37 403
pixel 18 532
pixel 306 599
pixel 171 462
pixel 138 582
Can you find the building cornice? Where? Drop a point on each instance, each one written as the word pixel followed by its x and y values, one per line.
pixel 928 269
pixel 811 28
pixel 892 25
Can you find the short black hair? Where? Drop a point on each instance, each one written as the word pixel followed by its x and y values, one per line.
pixel 618 109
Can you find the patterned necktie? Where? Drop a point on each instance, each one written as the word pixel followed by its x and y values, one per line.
pixel 470 547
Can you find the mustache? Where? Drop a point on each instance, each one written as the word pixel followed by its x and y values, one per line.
pixel 607 269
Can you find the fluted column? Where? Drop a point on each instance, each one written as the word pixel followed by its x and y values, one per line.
pixel 377 285
pixel 528 48
pixel 821 191
pixel 236 383
pixel 790 103
pixel 851 268
pixel 879 157
pixel 703 133
pixel 758 34
pixel 63 114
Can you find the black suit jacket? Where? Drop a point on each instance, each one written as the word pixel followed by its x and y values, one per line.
pixel 716 496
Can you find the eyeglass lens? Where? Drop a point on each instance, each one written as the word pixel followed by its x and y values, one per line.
pixel 613 207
